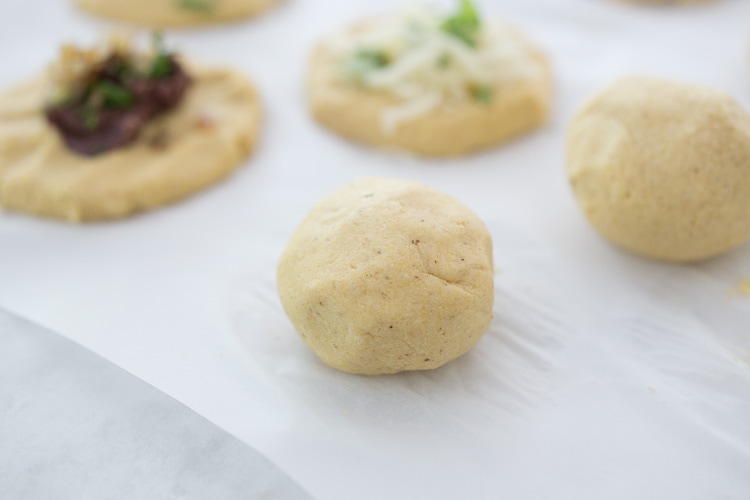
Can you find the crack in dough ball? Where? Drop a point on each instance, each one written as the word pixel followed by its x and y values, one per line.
pixel 663 168
pixel 387 275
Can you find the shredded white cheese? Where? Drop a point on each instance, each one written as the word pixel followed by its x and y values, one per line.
pixel 427 66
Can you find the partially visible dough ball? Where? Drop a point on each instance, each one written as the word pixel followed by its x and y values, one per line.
pixel 663 168
pixel 668 2
pixel 388 275
pixel 175 13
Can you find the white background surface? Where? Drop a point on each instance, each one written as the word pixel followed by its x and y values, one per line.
pixel 603 375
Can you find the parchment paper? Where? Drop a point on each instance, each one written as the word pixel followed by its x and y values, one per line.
pixel 603 375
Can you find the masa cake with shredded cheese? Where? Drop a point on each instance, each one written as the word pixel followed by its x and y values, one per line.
pixel 427 83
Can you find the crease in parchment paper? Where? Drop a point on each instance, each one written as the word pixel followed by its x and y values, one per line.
pixel 554 370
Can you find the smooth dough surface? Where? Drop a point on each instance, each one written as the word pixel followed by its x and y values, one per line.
pixel 207 137
pixel 384 276
pixel 663 168
pixel 174 13
pixel 354 113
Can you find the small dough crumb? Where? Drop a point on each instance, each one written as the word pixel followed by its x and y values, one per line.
pixel 743 288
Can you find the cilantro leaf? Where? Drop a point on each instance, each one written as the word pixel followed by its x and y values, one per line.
pixel 464 24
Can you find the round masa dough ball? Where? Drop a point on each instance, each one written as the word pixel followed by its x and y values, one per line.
pixel 663 168
pixel 386 275
pixel 175 13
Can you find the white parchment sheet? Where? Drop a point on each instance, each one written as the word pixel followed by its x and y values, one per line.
pixel 603 375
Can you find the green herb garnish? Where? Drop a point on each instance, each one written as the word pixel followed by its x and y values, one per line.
pixel 161 66
pixel 90 117
pixel 112 95
pixel 364 61
pixel 444 61
pixel 464 24
pixel 197 5
pixel 482 94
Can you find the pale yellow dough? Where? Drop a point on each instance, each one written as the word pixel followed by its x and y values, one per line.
pixel 355 113
pixel 663 168
pixel 386 275
pixel 207 137
pixel 170 13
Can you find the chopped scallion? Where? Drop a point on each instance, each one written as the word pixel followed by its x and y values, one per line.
pixel 161 66
pixel 113 95
pixel 197 5
pixel 364 61
pixel 464 24
pixel 482 94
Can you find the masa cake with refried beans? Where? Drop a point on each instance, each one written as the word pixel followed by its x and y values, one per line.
pixel 117 129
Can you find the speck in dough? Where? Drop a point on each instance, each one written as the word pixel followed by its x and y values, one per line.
pixel 663 168
pixel 386 275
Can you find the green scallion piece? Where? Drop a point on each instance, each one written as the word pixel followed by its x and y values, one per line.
pixel 203 6
pixel 364 61
pixel 113 95
pixel 482 95
pixel 161 66
pixel 464 24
